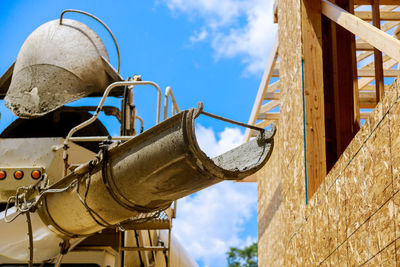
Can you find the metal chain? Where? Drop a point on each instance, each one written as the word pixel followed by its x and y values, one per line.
pixel 24 206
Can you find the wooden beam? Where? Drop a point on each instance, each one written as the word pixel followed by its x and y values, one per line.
pixel 388 64
pixel 385 15
pixel 365 115
pixel 363 46
pixel 263 86
pixel 376 21
pixel 369 51
pixel 275 73
pixel 272 96
pixel 388 7
pixel 369 104
pixel 371 65
pixel 368 88
pixel 376 37
pixel 313 94
pixel 367 99
pixel 274 86
pixel 268 116
pixel 371 73
pixel 364 55
pixel 270 105
pixel 389 25
pixel 372 88
pixel 382 2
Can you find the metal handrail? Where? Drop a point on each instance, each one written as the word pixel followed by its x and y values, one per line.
pixel 105 95
pixel 101 22
pixel 141 123
pixel 175 108
pixel 100 106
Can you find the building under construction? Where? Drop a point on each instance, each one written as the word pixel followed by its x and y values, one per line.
pixel 329 195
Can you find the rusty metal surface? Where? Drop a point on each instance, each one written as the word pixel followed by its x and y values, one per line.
pixel 57 64
pixel 147 173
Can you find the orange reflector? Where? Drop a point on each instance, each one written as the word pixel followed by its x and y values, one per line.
pixel 18 174
pixel 3 175
pixel 36 174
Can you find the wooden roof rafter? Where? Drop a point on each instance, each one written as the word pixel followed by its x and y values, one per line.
pixel 266 92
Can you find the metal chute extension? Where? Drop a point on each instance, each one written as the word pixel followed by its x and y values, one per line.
pixel 136 179
pixel 146 174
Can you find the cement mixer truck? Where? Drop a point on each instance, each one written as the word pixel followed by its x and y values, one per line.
pixel 71 194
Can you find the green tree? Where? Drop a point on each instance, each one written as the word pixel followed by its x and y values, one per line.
pixel 246 257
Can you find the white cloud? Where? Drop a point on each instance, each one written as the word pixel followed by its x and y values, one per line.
pixel 212 220
pixel 237 28
pixel 209 222
pixel 198 36
pixel 215 12
pixel 253 41
pixel 228 139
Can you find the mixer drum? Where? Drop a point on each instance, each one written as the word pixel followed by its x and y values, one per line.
pixel 57 64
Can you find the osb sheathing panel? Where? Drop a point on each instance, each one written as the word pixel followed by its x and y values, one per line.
pixel 293 192
pixel 394 118
pixel 354 217
pixel 333 218
pixel 386 258
pixel 378 173
pixel 396 211
pixel 342 254
pixel 269 186
pixel 342 208
pixel 321 241
pixel 358 248
pixel 277 242
pixel 381 228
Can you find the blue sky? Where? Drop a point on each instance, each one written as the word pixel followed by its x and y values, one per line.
pixel 212 51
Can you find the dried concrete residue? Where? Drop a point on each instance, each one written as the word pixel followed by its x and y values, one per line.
pixel 248 155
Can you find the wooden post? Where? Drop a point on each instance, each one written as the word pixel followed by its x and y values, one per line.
pixel 355 123
pixel 330 95
pixel 341 85
pixel 313 95
pixel 379 84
